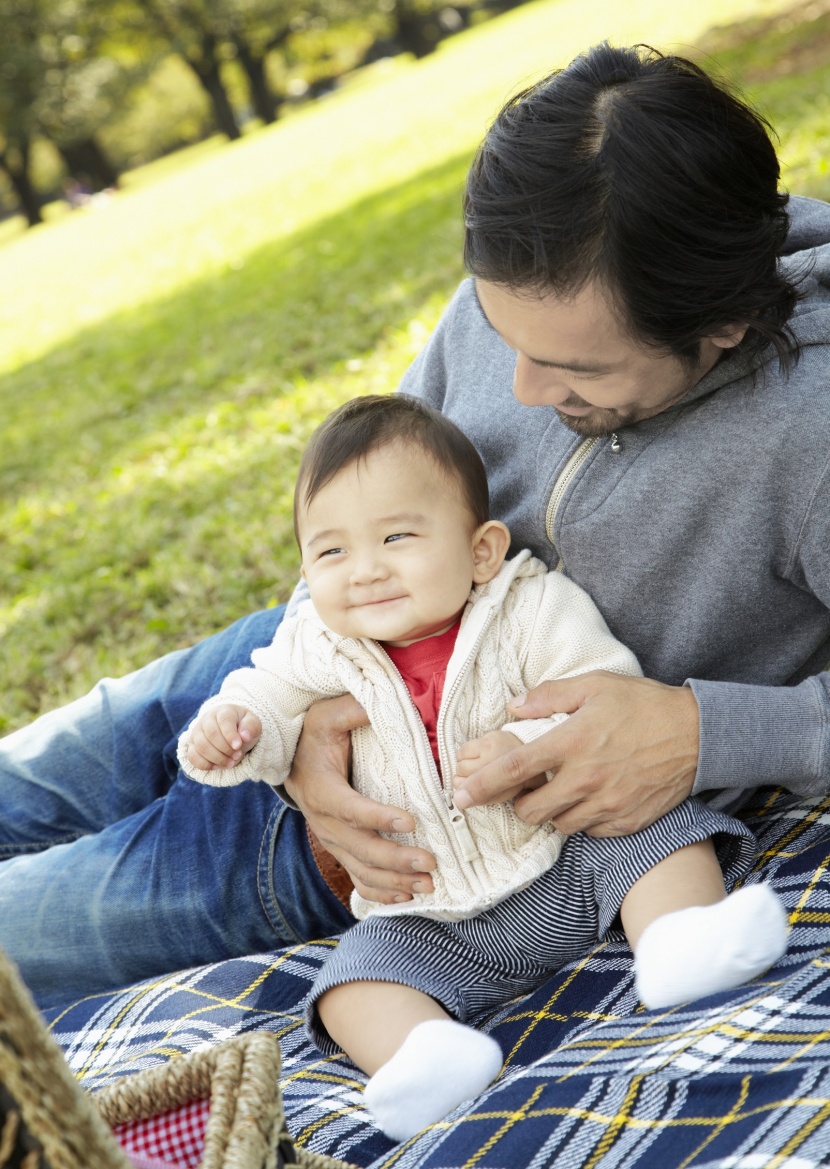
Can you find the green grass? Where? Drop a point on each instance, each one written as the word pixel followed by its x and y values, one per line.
pixel 163 359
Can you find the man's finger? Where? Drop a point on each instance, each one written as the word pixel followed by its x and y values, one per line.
pixel 370 850
pixel 336 801
pixel 380 865
pixel 568 819
pixel 382 884
pixel 510 773
pixel 384 896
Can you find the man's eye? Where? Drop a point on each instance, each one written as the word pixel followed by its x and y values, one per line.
pixel 396 536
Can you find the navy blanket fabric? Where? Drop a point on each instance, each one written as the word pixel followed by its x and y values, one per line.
pixel 591 1080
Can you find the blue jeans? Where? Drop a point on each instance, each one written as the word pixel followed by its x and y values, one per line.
pixel 114 866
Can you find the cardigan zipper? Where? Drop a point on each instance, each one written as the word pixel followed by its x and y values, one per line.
pixel 464 838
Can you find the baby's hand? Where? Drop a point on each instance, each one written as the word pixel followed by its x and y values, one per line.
pixel 479 752
pixel 222 736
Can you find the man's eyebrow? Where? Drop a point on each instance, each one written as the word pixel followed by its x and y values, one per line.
pixel 571 366
pixel 574 366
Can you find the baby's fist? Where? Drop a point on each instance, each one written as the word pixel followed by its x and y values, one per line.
pixel 222 736
pixel 479 752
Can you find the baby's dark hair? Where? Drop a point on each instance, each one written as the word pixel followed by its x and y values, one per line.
pixel 363 425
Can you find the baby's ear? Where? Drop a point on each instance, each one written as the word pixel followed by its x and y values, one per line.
pixel 490 544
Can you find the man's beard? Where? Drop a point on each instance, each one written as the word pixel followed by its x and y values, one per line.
pixel 598 424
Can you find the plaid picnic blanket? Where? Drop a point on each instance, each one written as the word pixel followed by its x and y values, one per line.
pixel 739 1080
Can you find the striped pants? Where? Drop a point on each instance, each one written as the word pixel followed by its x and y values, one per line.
pixel 473 967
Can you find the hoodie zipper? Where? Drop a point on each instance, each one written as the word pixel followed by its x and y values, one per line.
pixel 564 481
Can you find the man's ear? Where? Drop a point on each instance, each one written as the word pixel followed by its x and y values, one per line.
pixel 490 544
pixel 729 337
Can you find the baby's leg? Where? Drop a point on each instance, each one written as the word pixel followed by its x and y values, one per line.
pixel 689 938
pixel 422 1063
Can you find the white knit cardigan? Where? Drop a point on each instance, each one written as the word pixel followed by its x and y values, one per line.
pixel 525 626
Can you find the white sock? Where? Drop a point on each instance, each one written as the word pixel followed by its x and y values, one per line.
pixel 440 1064
pixel 699 951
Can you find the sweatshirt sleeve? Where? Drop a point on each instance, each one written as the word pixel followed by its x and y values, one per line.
pixel 752 736
pixel 279 696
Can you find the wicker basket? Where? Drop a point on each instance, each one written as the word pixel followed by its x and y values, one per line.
pixel 48 1122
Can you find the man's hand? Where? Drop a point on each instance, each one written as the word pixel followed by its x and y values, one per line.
pixel 346 823
pixel 222 736
pixel 627 755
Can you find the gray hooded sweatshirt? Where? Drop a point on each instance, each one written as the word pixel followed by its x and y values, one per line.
pixel 703 533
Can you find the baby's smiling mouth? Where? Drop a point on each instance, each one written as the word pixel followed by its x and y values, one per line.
pixel 378 601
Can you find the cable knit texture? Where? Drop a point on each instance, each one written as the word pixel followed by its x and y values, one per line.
pixel 526 626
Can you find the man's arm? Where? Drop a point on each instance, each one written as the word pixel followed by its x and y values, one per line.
pixel 757 735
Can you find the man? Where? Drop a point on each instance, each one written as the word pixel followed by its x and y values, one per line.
pixel 624 229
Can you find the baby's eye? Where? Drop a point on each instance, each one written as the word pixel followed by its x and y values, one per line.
pixel 396 536
pixel 331 552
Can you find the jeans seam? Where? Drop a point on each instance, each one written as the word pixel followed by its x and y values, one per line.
pixel 265 876
pixel 10 851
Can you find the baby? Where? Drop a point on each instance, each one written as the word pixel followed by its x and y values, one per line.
pixel 415 610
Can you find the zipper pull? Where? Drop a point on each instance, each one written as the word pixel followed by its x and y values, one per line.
pixel 616 445
pixel 463 834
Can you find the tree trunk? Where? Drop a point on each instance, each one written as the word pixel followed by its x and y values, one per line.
pixel 415 32
pixel 18 173
pixel 206 68
pixel 262 99
pixel 86 159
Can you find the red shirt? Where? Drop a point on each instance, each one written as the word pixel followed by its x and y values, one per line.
pixel 423 667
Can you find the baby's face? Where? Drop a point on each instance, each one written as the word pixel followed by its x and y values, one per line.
pixel 387 548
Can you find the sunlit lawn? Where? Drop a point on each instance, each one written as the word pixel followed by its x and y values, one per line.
pixel 163 359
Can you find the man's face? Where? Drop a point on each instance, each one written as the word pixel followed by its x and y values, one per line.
pixel 574 355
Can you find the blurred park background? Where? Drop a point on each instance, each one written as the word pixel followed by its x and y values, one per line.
pixel 218 220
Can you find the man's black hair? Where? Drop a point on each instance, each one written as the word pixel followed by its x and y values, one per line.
pixel 349 434
pixel 638 170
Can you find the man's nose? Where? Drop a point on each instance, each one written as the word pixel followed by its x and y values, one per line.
pixel 538 385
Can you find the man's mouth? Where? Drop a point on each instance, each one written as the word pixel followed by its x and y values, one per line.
pixel 574 411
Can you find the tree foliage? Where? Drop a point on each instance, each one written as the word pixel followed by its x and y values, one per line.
pixel 67 67
pixel 57 82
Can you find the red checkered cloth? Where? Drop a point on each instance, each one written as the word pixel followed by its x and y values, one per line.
pixel 173 1140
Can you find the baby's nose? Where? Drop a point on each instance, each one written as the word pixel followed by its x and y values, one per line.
pixel 368 568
